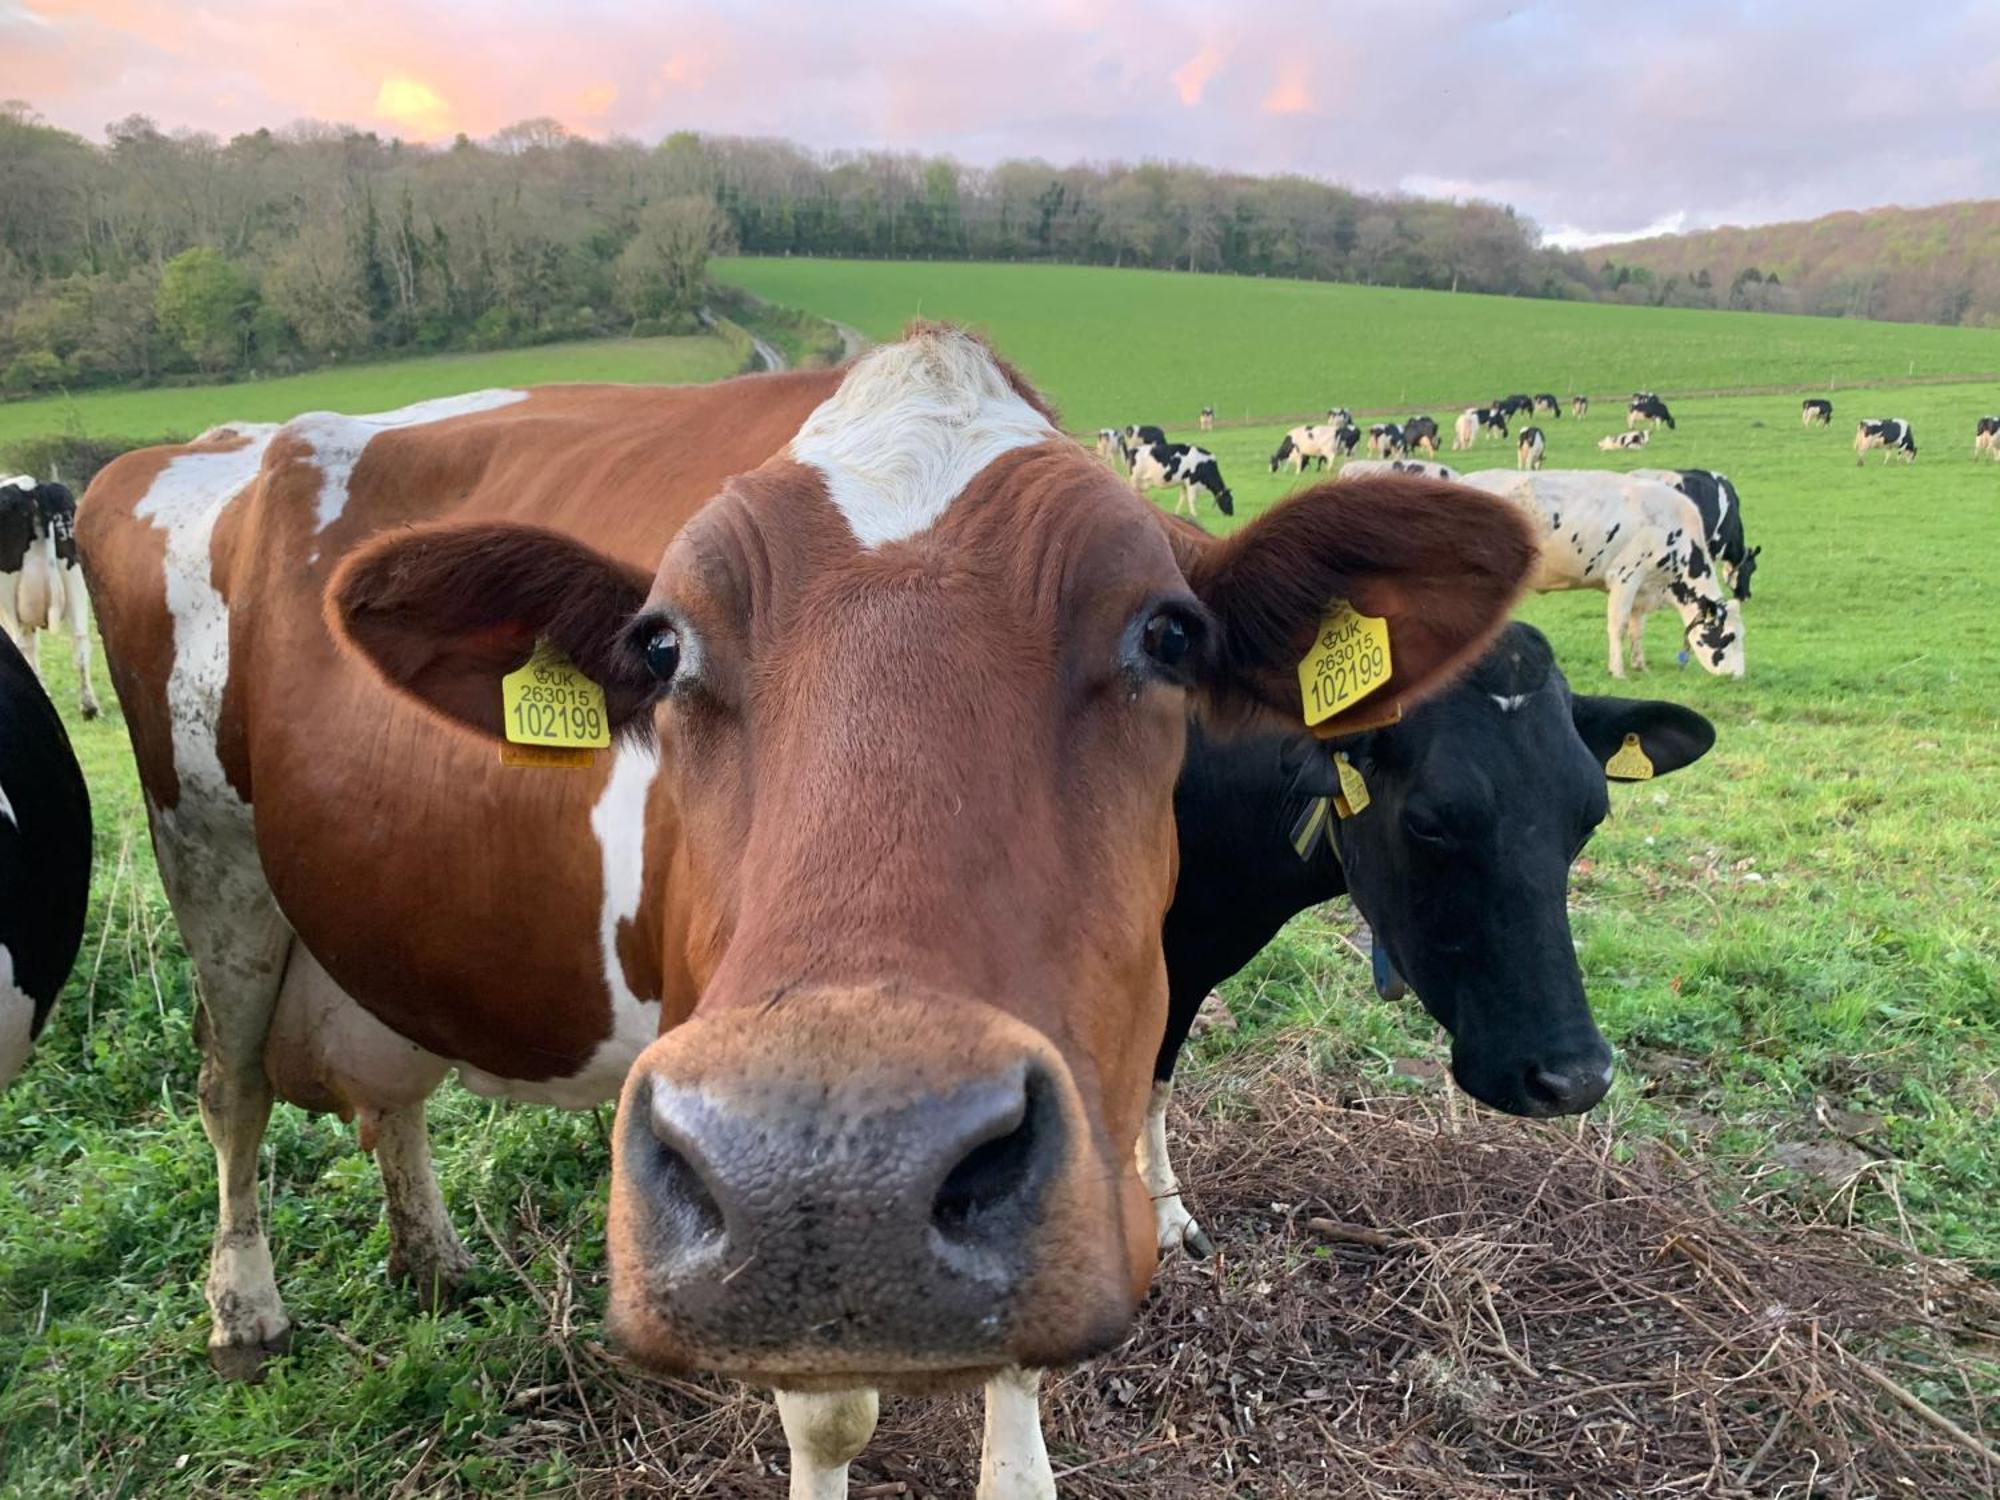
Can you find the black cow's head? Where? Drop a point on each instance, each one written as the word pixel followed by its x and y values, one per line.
pixel 1478 802
pixel 1741 582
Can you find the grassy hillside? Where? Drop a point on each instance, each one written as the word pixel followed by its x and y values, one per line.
pixel 373 387
pixel 1113 347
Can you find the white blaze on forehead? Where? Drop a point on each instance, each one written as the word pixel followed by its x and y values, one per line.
pixel 338 441
pixel 912 425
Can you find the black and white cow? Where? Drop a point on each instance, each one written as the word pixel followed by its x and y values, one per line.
pixel 1477 805
pixel 1546 405
pixel 1642 542
pixel 1473 421
pixel 1579 406
pixel 44 858
pixel 1420 432
pixel 1714 495
pixel 1532 448
pixel 41 586
pixel 1517 404
pixel 1339 416
pixel 1647 407
pixel 1815 411
pixel 1895 437
pixel 1111 447
pixel 1612 442
pixel 1986 437
pixel 1159 465
pixel 1385 440
pixel 1317 445
pixel 1208 419
pixel 1346 439
pixel 1430 469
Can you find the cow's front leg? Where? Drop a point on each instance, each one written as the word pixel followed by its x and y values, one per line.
pixel 826 1430
pixel 1175 1228
pixel 1014 1461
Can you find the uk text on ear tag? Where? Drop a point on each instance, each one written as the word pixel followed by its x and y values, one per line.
pixel 1348 660
pixel 1630 762
pixel 548 702
pixel 1353 796
pixel 1307 829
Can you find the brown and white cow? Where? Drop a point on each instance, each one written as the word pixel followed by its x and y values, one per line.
pixel 859 914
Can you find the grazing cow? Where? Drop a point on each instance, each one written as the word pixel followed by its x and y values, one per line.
pixel 859 906
pixel 41 586
pixel 1316 445
pixel 1420 432
pixel 1546 405
pixel 1714 495
pixel 1509 406
pixel 1531 449
pixel 1478 803
pixel 1579 406
pixel 1193 469
pixel 1111 447
pixel 1465 429
pixel 1339 416
pixel 1986 437
pixel 1370 467
pixel 1491 420
pixel 44 858
pixel 1208 419
pixel 1641 542
pixel 1144 436
pixel 1895 437
pixel 1385 440
pixel 1815 411
pixel 1612 442
pixel 1646 407
pixel 1346 438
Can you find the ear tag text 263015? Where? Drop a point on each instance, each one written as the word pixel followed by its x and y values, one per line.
pixel 1348 660
pixel 554 715
pixel 1629 762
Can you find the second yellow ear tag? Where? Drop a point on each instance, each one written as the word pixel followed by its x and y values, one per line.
pixel 1349 659
pixel 547 701
pixel 1353 795
pixel 1630 762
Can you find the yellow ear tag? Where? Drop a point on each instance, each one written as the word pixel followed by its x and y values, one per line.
pixel 548 704
pixel 1349 659
pixel 1353 796
pixel 1630 763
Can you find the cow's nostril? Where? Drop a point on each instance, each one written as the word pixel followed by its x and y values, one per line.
pixel 683 1203
pixel 998 1170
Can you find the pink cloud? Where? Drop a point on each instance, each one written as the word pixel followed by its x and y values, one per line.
pixel 1291 94
pixel 1192 76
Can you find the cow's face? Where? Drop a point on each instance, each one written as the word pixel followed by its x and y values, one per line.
pixel 1479 802
pixel 920 686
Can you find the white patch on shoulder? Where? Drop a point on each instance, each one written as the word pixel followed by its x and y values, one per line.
pixel 338 440
pixel 912 425
pixel 7 808
pixel 619 821
pixel 22 481
pixel 17 1021
pixel 1508 701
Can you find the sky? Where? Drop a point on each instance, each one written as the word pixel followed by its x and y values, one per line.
pixel 1598 120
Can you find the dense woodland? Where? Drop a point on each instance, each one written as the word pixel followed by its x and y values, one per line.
pixel 161 256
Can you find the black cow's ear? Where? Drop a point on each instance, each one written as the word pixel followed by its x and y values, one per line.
pixel 1636 739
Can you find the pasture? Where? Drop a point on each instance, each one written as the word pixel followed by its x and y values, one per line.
pixel 1792 945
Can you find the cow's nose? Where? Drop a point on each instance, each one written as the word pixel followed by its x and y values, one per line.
pixel 1568 1088
pixel 870 1220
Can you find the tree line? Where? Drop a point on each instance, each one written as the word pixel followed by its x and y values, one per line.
pixel 174 255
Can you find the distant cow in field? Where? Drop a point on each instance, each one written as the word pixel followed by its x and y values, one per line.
pixel 1208 419
pixel 1509 406
pixel 1163 464
pixel 1579 406
pixel 1420 432
pixel 1365 467
pixel 1646 407
pixel 1339 416
pixel 1895 437
pixel 1111 447
pixel 1714 495
pixel 1815 411
pixel 1546 405
pixel 1385 440
pixel 41 586
pixel 1475 420
pixel 1612 442
pixel 1640 541
pixel 1139 436
pixel 1531 448
pixel 1316 445
pixel 1986 437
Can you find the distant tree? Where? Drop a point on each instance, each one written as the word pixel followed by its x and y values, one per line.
pixel 665 266
pixel 204 305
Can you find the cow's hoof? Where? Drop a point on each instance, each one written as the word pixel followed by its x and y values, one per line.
pixel 90 709
pixel 247 1362
pixel 1196 1242
pixel 438 1282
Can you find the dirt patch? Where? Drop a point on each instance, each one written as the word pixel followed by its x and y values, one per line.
pixel 1416 1299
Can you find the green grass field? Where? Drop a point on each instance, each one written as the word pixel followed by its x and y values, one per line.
pixel 1793 944
pixel 186 410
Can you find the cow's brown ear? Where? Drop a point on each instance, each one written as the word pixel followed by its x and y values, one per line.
pixel 1439 563
pixel 444 612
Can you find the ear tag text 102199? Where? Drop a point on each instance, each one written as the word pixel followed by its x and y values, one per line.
pixel 553 714
pixel 1348 660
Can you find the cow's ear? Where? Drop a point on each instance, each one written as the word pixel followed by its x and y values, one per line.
pixel 1440 564
pixel 444 612
pixel 1636 739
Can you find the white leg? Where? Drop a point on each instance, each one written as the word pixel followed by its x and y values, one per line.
pixel 1617 614
pixel 825 1430
pixel 1635 636
pixel 1174 1227
pixel 423 1247
pixel 1014 1461
pixel 76 616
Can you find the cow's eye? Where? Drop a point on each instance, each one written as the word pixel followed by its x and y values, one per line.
pixel 663 653
pixel 1425 826
pixel 1168 640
